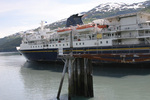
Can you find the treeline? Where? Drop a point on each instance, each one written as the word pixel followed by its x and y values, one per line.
pixel 9 44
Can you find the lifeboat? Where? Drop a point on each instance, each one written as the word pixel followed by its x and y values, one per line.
pixel 102 26
pixel 64 31
pixel 85 28
pixel 88 27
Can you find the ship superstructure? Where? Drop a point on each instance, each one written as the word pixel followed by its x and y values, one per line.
pixel 122 34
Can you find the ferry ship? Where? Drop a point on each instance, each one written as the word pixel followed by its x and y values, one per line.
pixel 122 35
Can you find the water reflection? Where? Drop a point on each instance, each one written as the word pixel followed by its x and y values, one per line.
pixel 111 81
pixel 49 66
pixel 121 70
pixel 41 80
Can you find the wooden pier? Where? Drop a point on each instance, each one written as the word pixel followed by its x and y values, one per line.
pixel 80 77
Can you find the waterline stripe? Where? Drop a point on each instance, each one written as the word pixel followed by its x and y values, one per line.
pixel 81 50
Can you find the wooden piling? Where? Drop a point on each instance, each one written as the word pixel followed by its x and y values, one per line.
pixel 62 79
pixel 85 77
pixel 80 77
pixel 70 78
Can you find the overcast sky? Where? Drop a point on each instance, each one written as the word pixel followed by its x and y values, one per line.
pixel 21 15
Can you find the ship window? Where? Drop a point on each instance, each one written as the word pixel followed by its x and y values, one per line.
pixel 63 44
pixel 83 43
pixel 106 41
pixel 79 43
pixel 101 42
pixel 76 43
pixel 50 45
pixel 59 44
pixel 56 45
pixel 67 44
pixel 53 45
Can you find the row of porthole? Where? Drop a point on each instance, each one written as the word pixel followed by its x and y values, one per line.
pixel 55 45
pixel 102 42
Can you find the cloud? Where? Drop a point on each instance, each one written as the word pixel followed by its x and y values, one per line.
pixel 6 7
pixel 11 30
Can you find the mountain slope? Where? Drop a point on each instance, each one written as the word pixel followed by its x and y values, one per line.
pixel 10 44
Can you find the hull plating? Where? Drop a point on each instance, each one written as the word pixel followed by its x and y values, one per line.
pixel 52 54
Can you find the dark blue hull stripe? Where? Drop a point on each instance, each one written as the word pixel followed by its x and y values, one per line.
pixel 51 54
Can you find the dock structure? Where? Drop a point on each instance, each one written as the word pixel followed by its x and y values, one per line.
pixel 80 71
pixel 80 77
pixel 80 74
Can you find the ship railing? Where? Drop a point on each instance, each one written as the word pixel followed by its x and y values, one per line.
pixel 116 28
pixel 144 34
pixel 120 37
pixel 144 25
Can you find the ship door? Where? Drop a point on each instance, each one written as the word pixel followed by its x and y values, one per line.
pixel 60 51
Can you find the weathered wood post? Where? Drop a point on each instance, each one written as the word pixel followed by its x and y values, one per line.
pixel 62 79
pixel 70 69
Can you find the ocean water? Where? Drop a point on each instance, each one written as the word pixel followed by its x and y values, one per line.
pixel 22 80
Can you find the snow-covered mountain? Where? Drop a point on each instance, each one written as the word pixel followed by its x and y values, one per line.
pixel 108 7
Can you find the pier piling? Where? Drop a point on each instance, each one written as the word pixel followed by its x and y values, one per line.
pixel 62 79
pixel 80 77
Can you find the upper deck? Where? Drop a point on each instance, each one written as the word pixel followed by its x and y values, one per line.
pixel 119 30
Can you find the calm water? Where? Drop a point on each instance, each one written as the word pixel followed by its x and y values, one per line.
pixel 21 80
